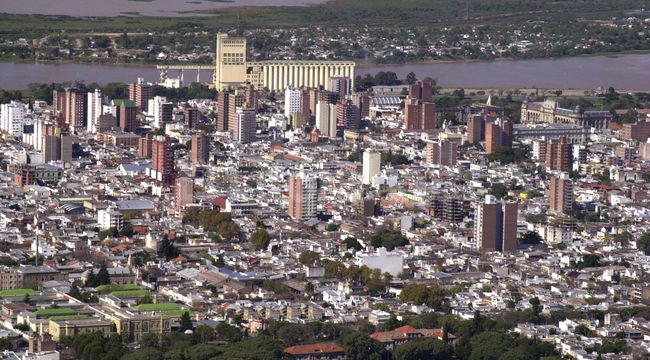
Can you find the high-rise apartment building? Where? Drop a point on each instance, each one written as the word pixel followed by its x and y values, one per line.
pixel 162 112
pixel 191 116
pixel 421 90
pixel 223 104
pixel 163 167
pixel 235 101
pixel 443 153
pixel 348 115
pixel 12 118
pixel 183 193
pixel 559 155
pixel 326 119
pixel 475 129
pixel 303 196
pixel 200 149
pixel 561 198
pixel 71 105
pixel 419 115
pixel 342 85
pixel 145 146
pixel 493 137
pixel 95 109
pixel 496 225
pixel 245 126
pixel 371 165
pixel 126 113
pixel 140 93
pixel 251 98
pixel 292 97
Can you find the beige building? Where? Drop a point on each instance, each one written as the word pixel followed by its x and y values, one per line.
pixel 551 113
pixel 61 328
pixel 232 70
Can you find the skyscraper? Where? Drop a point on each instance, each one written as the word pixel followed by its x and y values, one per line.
pixel 371 165
pixel 561 198
pixel 71 105
pixel 496 225
pixel 292 97
pixel 200 153
pixel 475 129
pixel 303 196
pixel 230 61
pixel 163 166
pixel 326 119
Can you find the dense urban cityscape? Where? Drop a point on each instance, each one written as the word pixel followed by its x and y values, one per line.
pixel 293 208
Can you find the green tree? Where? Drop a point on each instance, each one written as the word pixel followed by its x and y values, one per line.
pixel 102 278
pixel 309 257
pixel 358 346
pixel 411 78
pixel 186 322
pixel 433 296
pixel 499 190
pixel 531 238
pixel 352 243
pixel 643 243
pixel 430 349
pixel 260 239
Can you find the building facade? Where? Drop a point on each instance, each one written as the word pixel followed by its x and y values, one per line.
pixel 303 196
pixel 496 225
pixel 550 112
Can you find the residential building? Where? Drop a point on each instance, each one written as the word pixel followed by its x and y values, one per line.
pixel 348 116
pixel 639 131
pixel 493 137
pixel 163 167
pixel 496 225
pixel 371 166
pixel 559 155
pixel 419 115
pixel 191 116
pixel 245 126
pixel 140 93
pixel 95 109
pixel 303 196
pixel 183 193
pixel 200 149
pixel 126 112
pixel 12 118
pixel 161 111
pixel 444 152
pixel 320 351
pixel 326 119
pixel 342 85
pixel 561 197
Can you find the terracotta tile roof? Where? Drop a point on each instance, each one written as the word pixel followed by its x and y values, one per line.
pixel 320 348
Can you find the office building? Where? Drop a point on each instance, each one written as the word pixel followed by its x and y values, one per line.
pixel 561 198
pixel 348 116
pixel 12 118
pixel 326 119
pixel 496 225
pixel 303 196
pixel 549 112
pixel 191 117
pixel 162 111
pixel 163 167
pixel 94 109
pixel 126 114
pixel 183 193
pixel 559 155
pixel 140 93
pixel 443 153
pixel 245 126
pixel 371 166
pixel 421 90
pixel 200 149
pixel 419 115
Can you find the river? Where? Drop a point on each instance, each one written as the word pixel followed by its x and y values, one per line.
pixel 166 8
pixel 624 72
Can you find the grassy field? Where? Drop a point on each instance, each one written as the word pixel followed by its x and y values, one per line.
pixel 336 13
pixel 158 307
pixel 55 312
pixel 17 292
pixel 130 293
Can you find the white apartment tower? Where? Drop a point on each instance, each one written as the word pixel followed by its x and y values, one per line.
pixel 93 110
pixel 371 166
pixel 12 118
pixel 291 101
